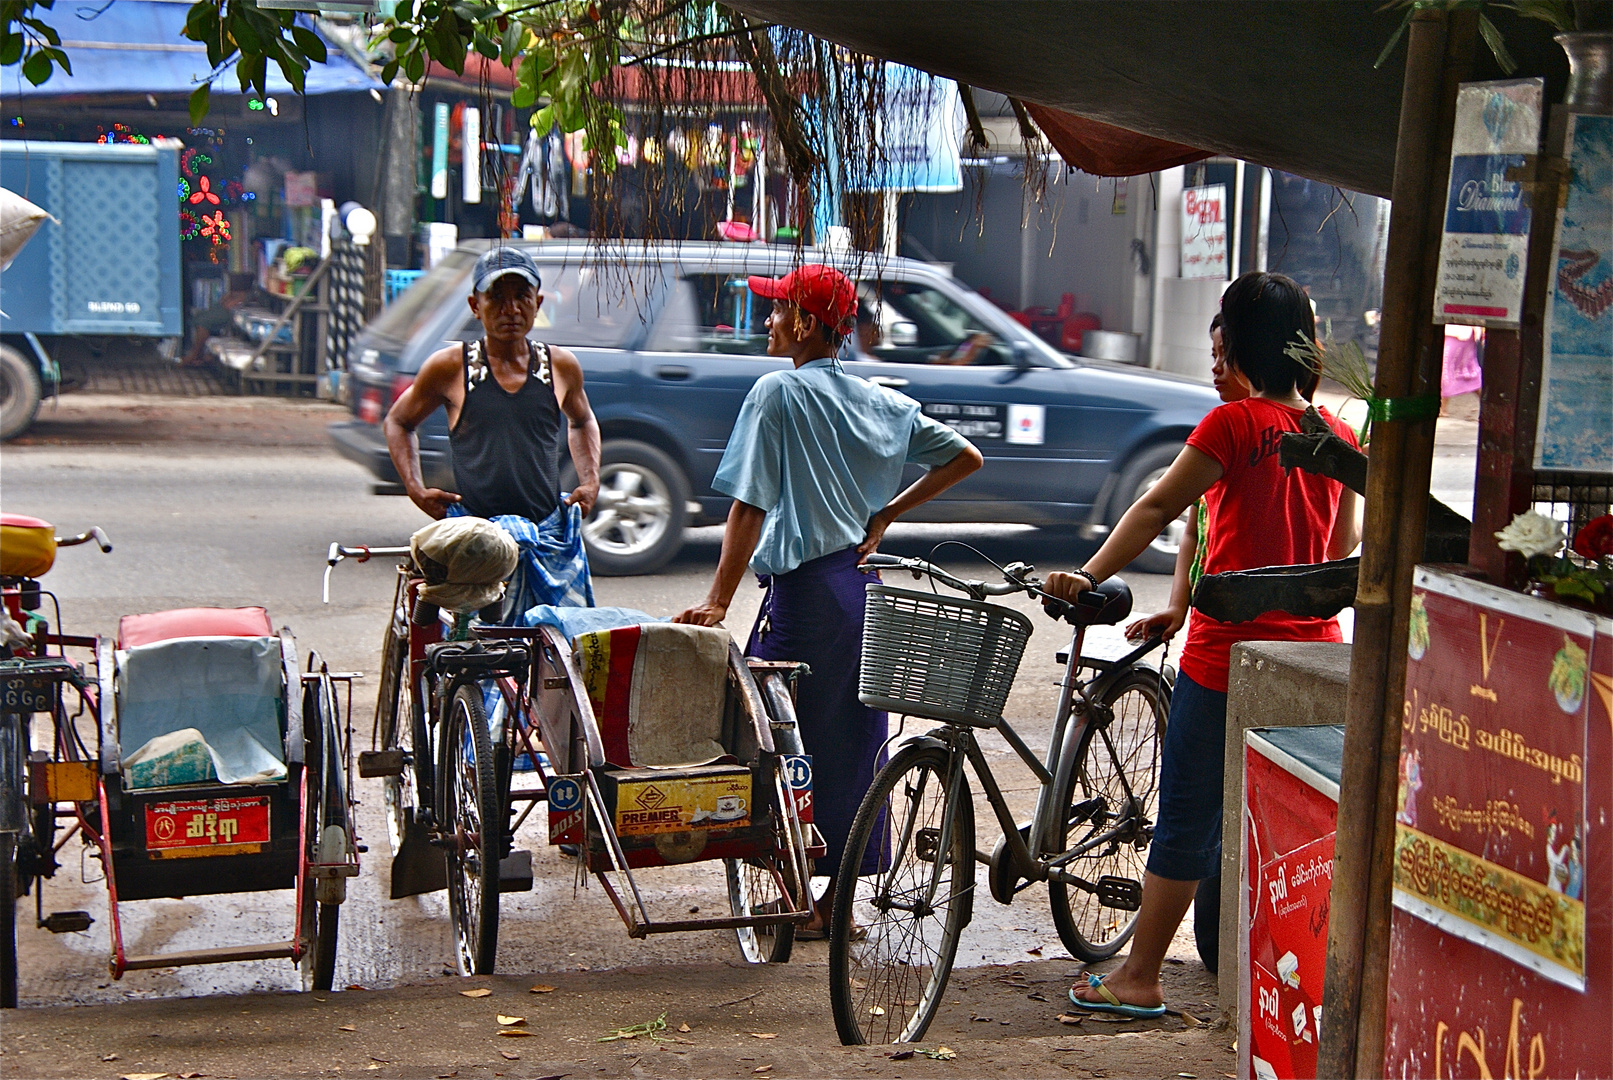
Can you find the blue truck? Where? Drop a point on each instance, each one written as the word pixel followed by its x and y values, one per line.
pixel 670 340
pixel 106 264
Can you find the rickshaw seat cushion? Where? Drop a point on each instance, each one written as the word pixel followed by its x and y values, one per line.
pixel 249 622
pixel 230 690
pixel 658 692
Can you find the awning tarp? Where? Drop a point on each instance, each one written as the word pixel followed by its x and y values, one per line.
pixel 137 47
pixel 1283 83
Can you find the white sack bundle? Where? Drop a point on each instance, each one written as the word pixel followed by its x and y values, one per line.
pixel 464 561
pixel 19 219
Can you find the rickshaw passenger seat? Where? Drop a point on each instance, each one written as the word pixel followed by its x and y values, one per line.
pixel 183 701
pixel 658 691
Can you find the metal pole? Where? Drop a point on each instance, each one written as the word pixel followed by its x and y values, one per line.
pixel 1409 357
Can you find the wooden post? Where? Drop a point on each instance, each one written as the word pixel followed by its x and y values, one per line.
pixel 1439 53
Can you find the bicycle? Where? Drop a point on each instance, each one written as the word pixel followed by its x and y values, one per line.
pixel 894 933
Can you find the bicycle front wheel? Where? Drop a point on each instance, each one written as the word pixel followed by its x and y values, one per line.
pixel 893 934
pixel 1111 800
pixel 471 820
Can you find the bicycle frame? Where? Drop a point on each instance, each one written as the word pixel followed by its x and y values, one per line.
pixel 1036 861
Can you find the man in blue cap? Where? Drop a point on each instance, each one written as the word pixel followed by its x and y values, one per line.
pixel 505 395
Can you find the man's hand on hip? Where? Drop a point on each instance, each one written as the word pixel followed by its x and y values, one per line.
pixel 876 532
pixel 434 501
pixel 706 613
pixel 584 495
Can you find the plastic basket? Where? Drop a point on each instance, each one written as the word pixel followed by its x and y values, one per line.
pixel 398 281
pixel 939 657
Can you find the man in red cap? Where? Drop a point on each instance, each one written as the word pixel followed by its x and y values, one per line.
pixel 814 466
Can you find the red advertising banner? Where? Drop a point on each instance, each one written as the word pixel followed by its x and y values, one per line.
pixel 215 826
pixel 1290 816
pixel 1500 959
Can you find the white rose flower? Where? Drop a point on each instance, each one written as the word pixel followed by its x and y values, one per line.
pixel 1532 534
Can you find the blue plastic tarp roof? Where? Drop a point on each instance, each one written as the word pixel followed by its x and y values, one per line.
pixel 137 47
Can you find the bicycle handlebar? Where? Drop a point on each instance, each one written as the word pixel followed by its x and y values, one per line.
pixel 360 553
pixel 95 534
pixel 1017 576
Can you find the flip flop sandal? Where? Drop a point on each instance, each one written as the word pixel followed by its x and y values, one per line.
pixel 858 933
pixel 1112 1004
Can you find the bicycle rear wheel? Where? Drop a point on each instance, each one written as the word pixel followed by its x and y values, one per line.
pixel 893 935
pixel 471 818
pixel 752 890
pixel 400 720
pixel 1113 784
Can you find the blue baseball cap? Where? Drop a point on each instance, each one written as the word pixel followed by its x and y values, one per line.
pixel 503 260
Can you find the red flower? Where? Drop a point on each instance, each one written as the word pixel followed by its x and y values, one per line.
pixel 1595 539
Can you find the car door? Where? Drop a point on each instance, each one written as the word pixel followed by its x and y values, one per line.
pixel 706 350
pixel 1025 417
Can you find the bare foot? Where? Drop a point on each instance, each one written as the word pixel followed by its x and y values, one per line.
pixel 1144 993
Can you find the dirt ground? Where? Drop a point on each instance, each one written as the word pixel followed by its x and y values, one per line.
pixel 741 1022
pixel 142 419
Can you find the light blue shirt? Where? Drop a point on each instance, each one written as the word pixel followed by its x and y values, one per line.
pixel 822 452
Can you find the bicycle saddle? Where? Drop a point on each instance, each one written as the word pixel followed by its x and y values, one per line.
pixel 1104 606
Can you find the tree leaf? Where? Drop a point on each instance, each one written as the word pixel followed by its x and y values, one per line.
pixel 10 49
pixel 399 34
pixel 522 97
pixel 415 66
pixel 1492 38
pixel 200 103
pixel 37 68
pixel 312 46
pixel 389 71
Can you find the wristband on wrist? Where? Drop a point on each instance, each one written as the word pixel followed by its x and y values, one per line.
pixel 1092 582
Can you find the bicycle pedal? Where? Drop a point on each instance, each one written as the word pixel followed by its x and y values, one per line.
pixel 1118 892
pixel 515 872
pixel 378 763
pixel 66 922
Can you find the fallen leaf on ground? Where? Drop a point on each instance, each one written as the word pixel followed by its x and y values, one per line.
pixel 541 989
pixel 356 986
pixel 1036 951
pixel 190 1075
pixel 382 1060
pixel 347 1027
pixel 510 1021
pixel 509 1055
pixel 1188 1076
pixel 1036 995
pixel 143 1076
pixel 764 1034
pixel 876 1010
pixel 516 1033
pixel 901 1055
pixel 1070 1018
pixel 981 1019
pixel 372 1067
pixel 909 1004
pixel 761 1068
pixel 448 1076
pixel 684 1027
pixel 477 993
pixel 110 1057
pixel 1191 1021
pixel 940 1053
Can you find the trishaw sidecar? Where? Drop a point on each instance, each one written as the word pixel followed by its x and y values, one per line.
pixel 221 767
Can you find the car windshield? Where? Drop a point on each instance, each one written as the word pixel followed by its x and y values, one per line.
pixel 421 302
pixel 901 322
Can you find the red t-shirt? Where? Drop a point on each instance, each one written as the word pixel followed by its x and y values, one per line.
pixel 1260 514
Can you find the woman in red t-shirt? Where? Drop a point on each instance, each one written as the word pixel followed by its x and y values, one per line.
pixel 1260 514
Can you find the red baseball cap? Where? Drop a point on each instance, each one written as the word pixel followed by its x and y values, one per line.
pixel 818 290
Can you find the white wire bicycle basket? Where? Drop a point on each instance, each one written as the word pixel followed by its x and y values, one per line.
pixel 939 657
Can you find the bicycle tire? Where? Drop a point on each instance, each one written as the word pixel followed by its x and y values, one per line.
pixel 471 817
pixel 400 794
pixel 874 980
pixel 1130 744
pixel 753 889
pixel 8 920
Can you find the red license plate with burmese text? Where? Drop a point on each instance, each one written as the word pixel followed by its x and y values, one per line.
pixel 207 827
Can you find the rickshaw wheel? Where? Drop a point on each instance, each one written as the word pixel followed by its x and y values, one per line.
pixel 752 890
pixel 8 921
pixel 472 819
pixel 400 720
pixel 321 923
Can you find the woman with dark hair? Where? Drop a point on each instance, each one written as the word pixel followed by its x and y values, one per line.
pixel 1260 514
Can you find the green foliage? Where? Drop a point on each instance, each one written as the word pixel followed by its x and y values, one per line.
pixel 240 29
pixel 30 41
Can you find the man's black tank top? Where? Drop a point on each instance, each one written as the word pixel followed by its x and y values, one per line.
pixel 506 446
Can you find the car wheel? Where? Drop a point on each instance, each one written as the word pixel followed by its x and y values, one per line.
pixel 20 392
pixel 638 522
pixel 1143 471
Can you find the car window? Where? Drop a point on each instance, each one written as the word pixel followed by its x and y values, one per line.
pixel 422 302
pixel 582 308
pixel 903 322
pixel 712 313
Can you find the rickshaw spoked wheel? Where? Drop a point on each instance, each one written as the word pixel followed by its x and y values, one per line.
pixel 320 924
pixel 472 821
pixel 8 920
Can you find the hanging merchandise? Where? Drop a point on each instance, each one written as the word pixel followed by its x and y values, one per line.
pixel 470 155
pixel 677 145
pixel 579 158
pixel 653 152
pixel 439 151
pixel 715 149
pixel 545 161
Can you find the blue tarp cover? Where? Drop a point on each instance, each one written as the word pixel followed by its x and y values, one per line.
pixel 138 46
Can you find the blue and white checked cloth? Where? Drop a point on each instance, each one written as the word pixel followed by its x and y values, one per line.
pixel 553 568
